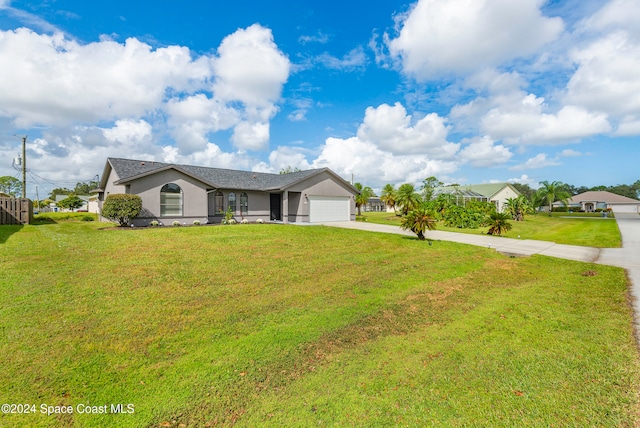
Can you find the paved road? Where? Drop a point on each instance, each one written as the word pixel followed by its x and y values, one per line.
pixel 627 257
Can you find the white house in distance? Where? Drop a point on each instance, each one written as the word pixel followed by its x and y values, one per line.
pixel 496 193
pixel 594 200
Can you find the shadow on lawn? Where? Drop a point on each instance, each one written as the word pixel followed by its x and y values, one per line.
pixel 6 230
pixel 427 241
pixel 43 220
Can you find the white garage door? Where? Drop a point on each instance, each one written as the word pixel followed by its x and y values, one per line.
pixel 620 208
pixel 328 208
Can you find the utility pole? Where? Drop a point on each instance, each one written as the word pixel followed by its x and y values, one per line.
pixel 24 167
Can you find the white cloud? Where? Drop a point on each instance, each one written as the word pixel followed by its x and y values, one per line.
pixel 356 59
pixel 524 179
pixel 391 129
pixel 568 153
pixel 483 152
pixel 213 156
pixel 538 161
pixel 191 119
pixel 69 155
pixel 457 36
pixel 320 37
pixel 251 135
pixel 297 115
pixel 526 123
pixel 607 77
pixel 51 80
pixel 250 68
pixel 284 157
pixel 369 164
pixel 129 131
pixel 628 126
pixel 616 15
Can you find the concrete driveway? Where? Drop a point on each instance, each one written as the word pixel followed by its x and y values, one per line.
pixel 627 257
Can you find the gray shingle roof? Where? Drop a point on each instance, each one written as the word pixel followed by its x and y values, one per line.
pixel 219 178
pixel 602 196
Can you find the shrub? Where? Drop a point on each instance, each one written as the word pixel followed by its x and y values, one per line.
pixel 122 208
pixel 461 217
pixel 228 216
pixel 418 220
pixel 232 221
pixel 175 223
pixel 154 223
pixel 244 221
pixel 259 221
pixel 498 223
pixel 196 222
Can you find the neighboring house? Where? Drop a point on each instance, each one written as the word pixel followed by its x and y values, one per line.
pixel 374 204
pixel 496 193
pixel 603 200
pixel 186 193
pixel 93 205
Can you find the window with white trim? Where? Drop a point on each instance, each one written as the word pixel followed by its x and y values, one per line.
pixel 170 200
pixel 232 202
pixel 244 204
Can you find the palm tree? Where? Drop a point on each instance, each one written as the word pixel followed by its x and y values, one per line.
pixel 408 199
pixel 363 197
pixel 419 220
pixel 518 207
pixel 498 223
pixel 536 202
pixel 389 195
pixel 552 192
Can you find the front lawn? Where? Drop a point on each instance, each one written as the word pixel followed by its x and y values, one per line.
pixel 272 325
pixel 562 228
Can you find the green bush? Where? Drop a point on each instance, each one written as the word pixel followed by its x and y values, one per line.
pixel 122 208
pixel 461 217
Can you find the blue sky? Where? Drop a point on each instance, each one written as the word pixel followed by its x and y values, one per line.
pixel 469 91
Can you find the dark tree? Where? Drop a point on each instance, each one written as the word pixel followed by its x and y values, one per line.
pixel 71 203
pixel 10 185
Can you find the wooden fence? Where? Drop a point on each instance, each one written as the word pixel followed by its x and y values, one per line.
pixel 16 211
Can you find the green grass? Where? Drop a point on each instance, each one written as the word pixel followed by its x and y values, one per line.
pixel 270 325
pixel 581 229
pixel 58 216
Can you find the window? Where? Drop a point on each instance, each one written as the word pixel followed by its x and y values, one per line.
pixel 232 202
pixel 219 202
pixel 170 200
pixel 244 204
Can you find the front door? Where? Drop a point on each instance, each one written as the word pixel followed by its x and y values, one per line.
pixel 276 206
